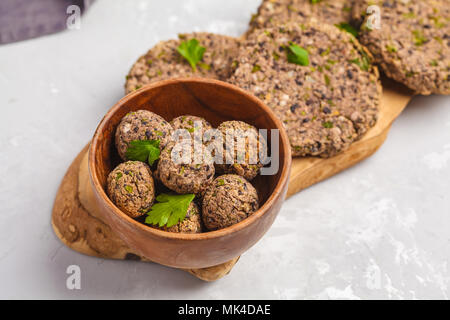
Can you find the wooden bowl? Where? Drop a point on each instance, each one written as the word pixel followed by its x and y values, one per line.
pixel 216 101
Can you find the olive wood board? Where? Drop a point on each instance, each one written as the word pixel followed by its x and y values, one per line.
pixel 77 225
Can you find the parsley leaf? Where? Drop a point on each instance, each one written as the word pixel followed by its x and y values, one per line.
pixel 327 124
pixel 192 51
pixel 169 210
pixel 347 27
pixel 419 38
pixel 297 55
pixel 143 150
pixel 256 68
pixel 363 63
pixel 391 48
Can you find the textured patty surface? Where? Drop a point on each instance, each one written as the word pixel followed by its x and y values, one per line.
pixel 141 125
pixel 195 126
pixel 228 200
pixel 325 105
pixel 245 154
pixel 272 12
pixel 130 186
pixel 164 62
pixel 183 178
pixel 413 44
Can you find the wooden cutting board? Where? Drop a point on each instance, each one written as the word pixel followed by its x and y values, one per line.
pixel 77 225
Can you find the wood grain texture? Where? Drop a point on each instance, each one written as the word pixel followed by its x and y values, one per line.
pixel 76 221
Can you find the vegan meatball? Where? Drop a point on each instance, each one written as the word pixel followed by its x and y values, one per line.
pixel 245 152
pixel 130 186
pixel 192 223
pixel 141 125
pixel 192 124
pixel 228 200
pixel 185 178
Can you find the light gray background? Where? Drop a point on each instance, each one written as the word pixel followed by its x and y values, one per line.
pixel 378 230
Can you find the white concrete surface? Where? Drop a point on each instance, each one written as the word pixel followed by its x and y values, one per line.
pixel 378 230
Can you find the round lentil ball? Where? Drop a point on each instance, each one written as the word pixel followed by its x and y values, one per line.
pixel 244 153
pixel 184 178
pixel 192 124
pixel 228 200
pixel 131 187
pixel 141 125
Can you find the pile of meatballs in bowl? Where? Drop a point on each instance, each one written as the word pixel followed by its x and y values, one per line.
pixel 167 182
pixel 221 193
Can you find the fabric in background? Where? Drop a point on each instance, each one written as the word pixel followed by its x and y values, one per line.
pixel 26 19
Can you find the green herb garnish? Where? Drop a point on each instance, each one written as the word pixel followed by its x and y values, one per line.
pixel 391 48
pixel 297 55
pixel 346 9
pixel 409 15
pixel 204 66
pixel 327 124
pixel 143 150
pixel 419 38
pixel 169 210
pixel 332 62
pixel 410 74
pixel 256 68
pixel 347 27
pixel 437 22
pixel 363 63
pixel 275 56
pixel 192 51
pixel 162 53
pixel 327 80
pixel 326 52
pixel 439 39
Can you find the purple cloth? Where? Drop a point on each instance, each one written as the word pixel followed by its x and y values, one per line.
pixel 26 19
